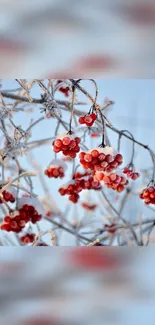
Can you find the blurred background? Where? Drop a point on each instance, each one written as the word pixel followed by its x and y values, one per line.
pixel 56 38
pixel 44 286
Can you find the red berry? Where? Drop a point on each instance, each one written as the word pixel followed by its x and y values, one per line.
pixel 14 224
pixel 119 158
pixel 81 155
pixel 125 171
pixel 82 120
pixel 148 195
pixel 58 143
pixel 77 149
pixel 72 144
pixel 22 223
pixel 7 219
pixel 72 154
pixel 78 140
pixel 88 119
pixel 120 188
pixel 66 141
pixel 109 158
pixel 88 158
pixel 95 153
pixel 114 165
pixel 101 157
pixel 93 116
pixel 57 149
pixel 104 164
pixel 113 177
pixel 6 227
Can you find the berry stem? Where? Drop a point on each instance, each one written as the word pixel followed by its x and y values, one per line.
pixel 96 96
pixel 57 128
pixel 76 84
pixel 153 160
pixel 3 178
pixel 103 144
pixel 72 109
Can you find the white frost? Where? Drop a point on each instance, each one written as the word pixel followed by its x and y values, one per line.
pixel 34 202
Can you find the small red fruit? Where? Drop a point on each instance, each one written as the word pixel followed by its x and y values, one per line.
pixel 148 195
pixel 88 120
pixel 69 146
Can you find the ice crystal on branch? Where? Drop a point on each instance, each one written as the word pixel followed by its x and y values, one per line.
pixel 51 106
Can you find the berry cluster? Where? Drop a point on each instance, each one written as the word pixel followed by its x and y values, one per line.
pixel 9 195
pixel 56 169
pixel 88 120
pixel 54 172
pixel 114 181
pixel 91 184
pixel 130 173
pixel 68 145
pixel 13 223
pixel 148 195
pixel 101 159
pixel 109 228
pixel 74 187
pixel 89 207
pixel 28 238
pixel 29 213
pixel 17 220
pixel 64 89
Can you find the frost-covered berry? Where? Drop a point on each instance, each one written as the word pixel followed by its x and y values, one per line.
pixel 56 169
pixel 130 172
pixel 28 238
pixel 9 195
pixel 65 90
pixel 29 210
pixel 68 145
pixel 101 159
pixel 88 120
pixel 77 185
pixel 148 195
pixel 115 181
pixel 13 222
